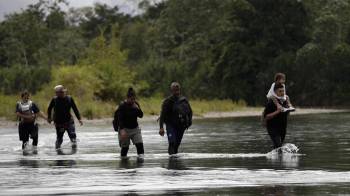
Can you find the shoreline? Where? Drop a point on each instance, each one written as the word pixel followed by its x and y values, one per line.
pixel 246 112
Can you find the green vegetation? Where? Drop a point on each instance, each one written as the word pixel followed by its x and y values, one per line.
pixel 221 51
pixel 93 109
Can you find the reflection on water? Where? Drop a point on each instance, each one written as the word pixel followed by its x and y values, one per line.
pixel 218 157
pixel 65 163
pixel 28 163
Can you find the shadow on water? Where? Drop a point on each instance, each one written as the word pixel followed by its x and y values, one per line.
pixel 176 164
pixel 71 152
pixel 130 164
pixel 65 163
pixel 28 163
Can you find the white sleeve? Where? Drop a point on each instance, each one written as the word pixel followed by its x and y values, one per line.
pixel 271 92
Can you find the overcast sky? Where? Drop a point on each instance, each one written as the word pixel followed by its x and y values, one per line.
pixel 128 6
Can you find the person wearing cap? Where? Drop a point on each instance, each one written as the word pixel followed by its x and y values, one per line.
pixel 27 111
pixel 62 105
pixel 176 113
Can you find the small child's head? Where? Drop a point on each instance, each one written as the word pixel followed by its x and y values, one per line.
pixel 279 90
pixel 280 78
pixel 25 95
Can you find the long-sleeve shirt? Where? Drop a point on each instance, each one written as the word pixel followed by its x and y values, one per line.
pixel 128 114
pixel 62 107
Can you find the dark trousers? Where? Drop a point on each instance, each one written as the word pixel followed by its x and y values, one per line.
pixel 277 137
pixel 175 136
pixel 61 129
pixel 27 130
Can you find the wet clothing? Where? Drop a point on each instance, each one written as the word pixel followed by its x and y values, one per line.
pixel 133 134
pixel 175 136
pixel 139 148
pixel 170 117
pixel 277 126
pixel 62 107
pixel 127 115
pixel 61 129
pixel 63 118
pixel 27 128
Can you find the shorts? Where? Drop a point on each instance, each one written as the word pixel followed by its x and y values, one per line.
pixel 133 134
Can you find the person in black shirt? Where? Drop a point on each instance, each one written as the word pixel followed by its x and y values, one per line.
pixel 177 115
pixel 276 120
pixel 126 115
pixel 27 111
pixel 62 104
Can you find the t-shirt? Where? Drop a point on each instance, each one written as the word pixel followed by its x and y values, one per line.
pixel 271 94
pixel 127 115
pixel 279 122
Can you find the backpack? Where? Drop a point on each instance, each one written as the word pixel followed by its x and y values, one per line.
pixel 116 121
pixel 183 113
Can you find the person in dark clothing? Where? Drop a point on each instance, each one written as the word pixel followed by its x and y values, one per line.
pixel 27 111
pixel 276 120
pixel 62 104
pixel 126 115
pixel 177 115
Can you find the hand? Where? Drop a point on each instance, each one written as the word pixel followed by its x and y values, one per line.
pixel 279 109
pixel 136 105
pixel 123 135
pixel 81 122
pixel 161 132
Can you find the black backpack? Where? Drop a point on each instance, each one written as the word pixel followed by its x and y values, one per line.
pixel 116 118
pixel 183 113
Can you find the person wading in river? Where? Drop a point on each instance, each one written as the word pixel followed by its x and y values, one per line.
pixel 276 120
pixel 27 111
pixel 125 122
pixel 62 104
pixel 176 113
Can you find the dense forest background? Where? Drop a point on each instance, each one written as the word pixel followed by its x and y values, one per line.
pixel 217 49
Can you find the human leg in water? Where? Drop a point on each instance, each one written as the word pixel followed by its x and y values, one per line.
pixel 171 133
pixel 23 134
pixel 140 151
pixel 124 152
pixel 276 140
pixel 179 136
pixel 72 135
pixel 59 137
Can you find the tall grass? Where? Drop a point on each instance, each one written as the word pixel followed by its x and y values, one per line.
pixel 92 109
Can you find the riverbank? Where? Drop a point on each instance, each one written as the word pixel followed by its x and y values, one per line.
pixel 242 112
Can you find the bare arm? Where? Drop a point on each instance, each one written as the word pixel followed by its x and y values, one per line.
pixel 42 115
